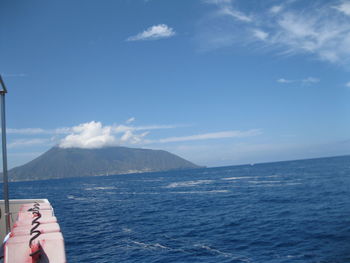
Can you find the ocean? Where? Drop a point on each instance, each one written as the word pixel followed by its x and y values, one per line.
pixel 295 211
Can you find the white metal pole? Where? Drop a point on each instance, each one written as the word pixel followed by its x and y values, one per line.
pixel 4 158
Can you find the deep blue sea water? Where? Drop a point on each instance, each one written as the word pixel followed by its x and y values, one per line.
pixel 296 211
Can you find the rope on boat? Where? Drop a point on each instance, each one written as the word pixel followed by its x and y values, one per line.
pixel 35 222
pixel 36 207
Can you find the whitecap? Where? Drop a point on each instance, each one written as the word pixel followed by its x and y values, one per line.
pixel 76 198
pixel 274 185
pixel 238 178
pixel 292 183
pixel 100 188
pixel 225 254
pixel 201 192
pixel 272 176
pixel 138 193
pixel 188 183
pixel 149 180
pixel 149 246
pixel 160 246
pixel 265 182
pixel 126 230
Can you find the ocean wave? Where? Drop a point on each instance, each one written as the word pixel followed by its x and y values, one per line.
pixel 100 188
pixel 76 198
pixel 149 180
pixel 274 185
pixel 264 182
pixel 126 230
pixel 238 178
pixel 148 246
pixel 188 183
pixel 224 254
pixel 138 193
pixel 249 177
pixel 201 192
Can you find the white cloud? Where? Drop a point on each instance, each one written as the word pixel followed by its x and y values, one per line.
pixel 157 127
pixel 318 29
pixel 344 7
pixel 63 130
pixel 325 38
pixel 153 33
pixel 348 84
pixel 285 81
pixel 259 34
pixel 32 131
pixel 35 131
pixel 68 130
pixel 130 137
pixel 296 26
pixel 26 131
pixel 310 80
pixel 123 128
pixel 89 135
pixel 227 10
pixel 94 135
pixel 276 9
pixel 208 136
pixel 28 142
pixel 130 120
pixel 306 81
pixel 225 7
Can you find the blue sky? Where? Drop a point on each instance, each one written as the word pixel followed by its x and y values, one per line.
pixel 218 82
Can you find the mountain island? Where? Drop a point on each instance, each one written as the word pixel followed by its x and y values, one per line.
pixel 76 162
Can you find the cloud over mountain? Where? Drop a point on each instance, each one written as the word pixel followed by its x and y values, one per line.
pixel 95 135
pixel 92 135
pixel 89 135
